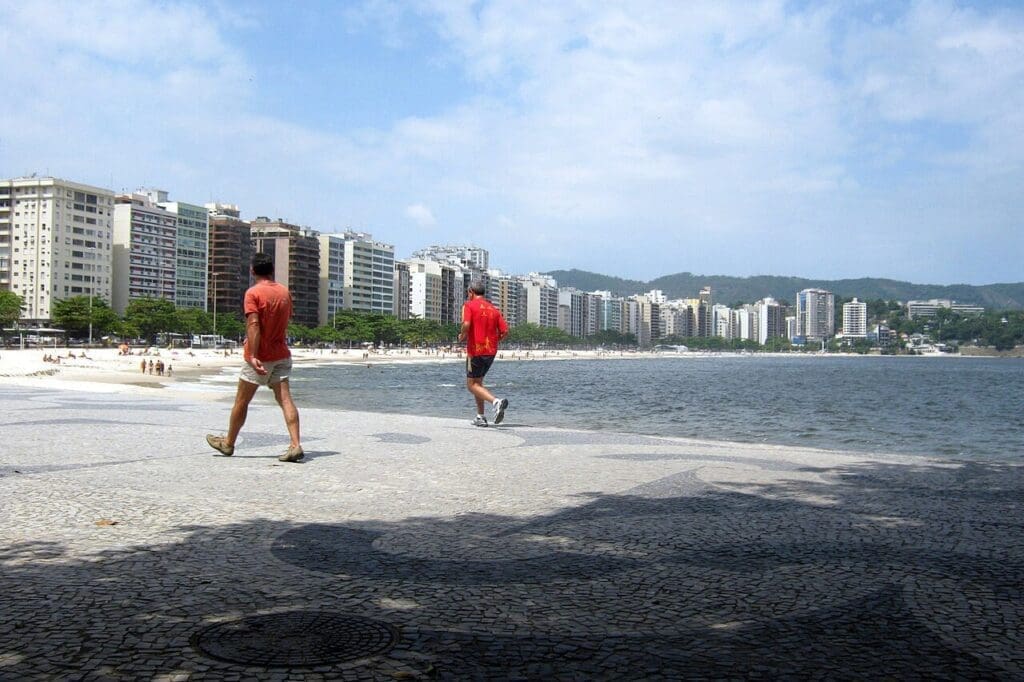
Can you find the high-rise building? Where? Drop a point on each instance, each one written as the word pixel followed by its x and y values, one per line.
pixel 705 317
pixel 56 242
pixel 192 245
pixel 332 277
pixel 427 282
pixel 231 252
pixel 296 254
pixel 721 322
pixel 815 314
pixel 649 322
pixel 145 251
pixel 470 257
pixel 541 300
pixel 508 295
pixel 675 319
pixel 855 319
pixel 771 321
pixel 403 290
pixel 369 274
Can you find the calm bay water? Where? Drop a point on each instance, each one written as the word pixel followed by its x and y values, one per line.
pixel 949 407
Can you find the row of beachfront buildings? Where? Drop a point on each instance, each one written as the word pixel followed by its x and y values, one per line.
pixel 60 239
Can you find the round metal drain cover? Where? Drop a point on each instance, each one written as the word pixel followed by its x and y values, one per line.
pixel 295 639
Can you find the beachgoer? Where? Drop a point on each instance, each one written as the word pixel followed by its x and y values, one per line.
pixel 150 366
pixel 143 366
pixel 169 369
pixel 483 328
pixel 268 362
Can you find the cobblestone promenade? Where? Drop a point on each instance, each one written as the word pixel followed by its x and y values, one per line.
pixel 410 548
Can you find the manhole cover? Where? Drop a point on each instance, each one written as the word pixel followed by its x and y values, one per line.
pixel 295 639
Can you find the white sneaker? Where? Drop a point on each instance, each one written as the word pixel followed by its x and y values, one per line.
pixel 500 405
pixel 480 420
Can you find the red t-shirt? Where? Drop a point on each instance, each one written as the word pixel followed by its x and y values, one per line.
pixel 486 326
pixel 273 303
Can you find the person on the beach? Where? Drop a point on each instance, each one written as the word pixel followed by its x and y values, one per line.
pixel 483 328
pixel 268 362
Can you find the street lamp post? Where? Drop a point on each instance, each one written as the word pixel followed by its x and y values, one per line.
pixel 214 276
pixel 90 311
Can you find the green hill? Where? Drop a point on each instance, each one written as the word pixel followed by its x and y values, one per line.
pixel 730 290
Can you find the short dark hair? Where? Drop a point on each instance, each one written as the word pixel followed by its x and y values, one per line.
pixel 477 287
pixel 262 265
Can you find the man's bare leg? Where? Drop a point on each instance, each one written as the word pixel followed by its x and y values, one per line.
pixel 480 393
pixel 283 394
pixel 240 410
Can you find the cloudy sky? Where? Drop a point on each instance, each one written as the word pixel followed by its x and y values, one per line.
pixel 817 139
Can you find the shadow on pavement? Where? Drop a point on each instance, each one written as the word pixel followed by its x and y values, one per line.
pixel 878 571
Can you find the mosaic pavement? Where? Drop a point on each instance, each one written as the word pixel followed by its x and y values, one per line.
pixel 408 548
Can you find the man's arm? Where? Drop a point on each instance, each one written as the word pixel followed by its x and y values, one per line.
pixel 252 341
pixel 464 329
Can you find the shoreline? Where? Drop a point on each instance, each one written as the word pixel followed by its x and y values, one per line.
pixel 96 368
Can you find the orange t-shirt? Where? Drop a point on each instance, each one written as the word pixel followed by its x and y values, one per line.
pixel 486 326
pixel 273 303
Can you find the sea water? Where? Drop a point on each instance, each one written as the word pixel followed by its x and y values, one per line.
pixel 955 407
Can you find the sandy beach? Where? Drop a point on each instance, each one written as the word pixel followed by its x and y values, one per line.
pixel 107 369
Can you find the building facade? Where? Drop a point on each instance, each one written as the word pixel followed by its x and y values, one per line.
pixel 855 320
pixel 296 254
pixel 369 274
pixel 403 290
pixel 56 242
pixel 145 251
pixel 771 320
pixel 192 249
pixel 332 277
pixel 230 258
pixel 815 314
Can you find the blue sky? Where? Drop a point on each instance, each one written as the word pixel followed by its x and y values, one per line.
pixel 817 139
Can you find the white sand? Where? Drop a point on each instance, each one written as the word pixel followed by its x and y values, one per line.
pixel 106 369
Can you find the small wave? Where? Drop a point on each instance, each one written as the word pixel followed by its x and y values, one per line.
pixel 447 385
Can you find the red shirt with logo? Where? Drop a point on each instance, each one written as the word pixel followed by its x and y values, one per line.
pixel 273 303
pixel 486 327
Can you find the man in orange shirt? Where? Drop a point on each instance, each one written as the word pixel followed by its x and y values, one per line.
pixel 483 328
pixel 268 362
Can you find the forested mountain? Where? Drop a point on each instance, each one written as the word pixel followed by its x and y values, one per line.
pixel 728 290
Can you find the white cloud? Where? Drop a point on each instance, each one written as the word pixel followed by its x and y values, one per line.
pixel 421 215
pixel 700 127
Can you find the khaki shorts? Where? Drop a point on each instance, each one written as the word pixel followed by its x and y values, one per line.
pixel 277 371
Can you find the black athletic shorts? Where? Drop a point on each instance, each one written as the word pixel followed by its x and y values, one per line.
pixel 477 366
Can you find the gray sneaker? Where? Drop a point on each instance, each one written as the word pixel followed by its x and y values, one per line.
pixel 479 421
pixel 292 454
pixel 499 410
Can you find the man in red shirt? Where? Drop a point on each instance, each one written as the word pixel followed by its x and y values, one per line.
pixel 483 328
pixel 268 362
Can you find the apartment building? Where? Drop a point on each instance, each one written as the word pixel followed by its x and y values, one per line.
pixel 508 295
pixel 296 254
pixel 332 277
pixel 815 314
pixel 427 282
pixel 56 241
pixel 931 307
pixel 771 320
pixel 855 320
pixel 369 274
pixel 192 248
pixel 469 257
pixel 229 260
pixel 144 251
pixel 403 290
pixel 541 300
